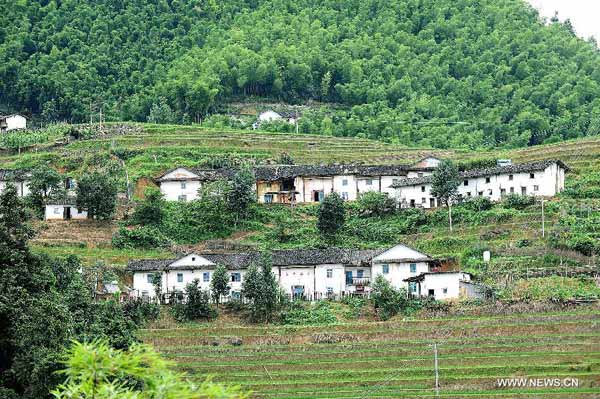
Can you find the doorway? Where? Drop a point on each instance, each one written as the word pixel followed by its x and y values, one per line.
pixel 318 196
pixel 67 213
pixel 298 291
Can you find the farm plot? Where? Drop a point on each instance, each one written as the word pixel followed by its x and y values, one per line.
pixel 396 358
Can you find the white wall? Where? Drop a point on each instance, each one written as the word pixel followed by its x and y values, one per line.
pixel 549 182
pixel 22 187
pixel 16 122
pixel 441 281
pixel 290 276
pixel 399 271
pixel 56 212
pixel 173 189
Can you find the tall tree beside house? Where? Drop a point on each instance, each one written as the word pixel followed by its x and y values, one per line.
pixel 241 195
pixel 261 290
pixel 211 211
pixel 97 194
pixel 150 212
pixel 219 283
pixel 44 303
pixel 44 183
pixel 95 370
pixel 331 215
pixel 196 305
pixel 444 185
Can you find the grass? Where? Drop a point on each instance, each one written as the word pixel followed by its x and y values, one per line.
pixel 395 358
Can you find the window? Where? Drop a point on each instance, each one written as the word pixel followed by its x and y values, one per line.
pixel 412 287
pixel 465 182
pixel 502 191
pixel 487 179
pixel 468 193
pixel 423 200
pixel 413 267
pixel 149 278
pixel 422 189
pixel 536 188
pixel 419 174
pixel 512 190
pixel 145 294
pixel 445 290
pixel 532 175
pixel 268 198
pixel 510 177
pixel 182 198
pixel 206 277
pixel 360 273
pixel 523 190
pixel 385 269
pixel 480 193
pixel 236 277
pixel 395 181
pixel 490 192
pixel 57 211
pixel 183 185
pixel 180 277
pixel 345 196
pixel 236 295
pixel 345 182
pixel 369 182
pixel 193 258
pixel 329 273
pixel 329 290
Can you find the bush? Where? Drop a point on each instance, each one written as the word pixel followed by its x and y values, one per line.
pixel 140 311
pixel 373 203
pixel 518 201
pixel 477 204
pixel 196 306
pixel 140 237
pixel 355 306
pixel 301 313
pixel 387 300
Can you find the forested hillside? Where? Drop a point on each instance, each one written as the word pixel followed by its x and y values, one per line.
pixel 458 73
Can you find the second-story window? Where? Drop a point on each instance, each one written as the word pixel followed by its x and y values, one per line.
pixel 183 185
pixel 385 269
pixel 413 267
pixel 329 273
pixel 345 182
pixel 236 277
pixel 369 182
pixel 180 277
pixel 206 277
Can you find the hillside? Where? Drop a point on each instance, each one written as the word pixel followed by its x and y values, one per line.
pixel 474 74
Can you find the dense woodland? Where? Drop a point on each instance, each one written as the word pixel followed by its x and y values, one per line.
pixel 460 73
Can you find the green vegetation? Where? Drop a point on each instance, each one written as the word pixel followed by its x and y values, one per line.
pixel 446 73
pixel 476 345
pixel 97 371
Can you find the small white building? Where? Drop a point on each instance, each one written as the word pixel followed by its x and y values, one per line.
pixel 183 184
pixel 543 178
pixel 269 116
pixel 302 273
pixel 12 122
pixel 439 285
pixel 64 209
pixel 18 178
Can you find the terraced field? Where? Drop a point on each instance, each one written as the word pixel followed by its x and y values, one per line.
pixel 395 359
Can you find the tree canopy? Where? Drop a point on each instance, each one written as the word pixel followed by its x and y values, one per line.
pixel 460 73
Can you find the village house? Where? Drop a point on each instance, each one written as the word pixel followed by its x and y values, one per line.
pixel 441 285
pixel 17 177
pixel 12 122
pixel 64 209
pixel 542 178
pixel 309 274
pixel 297 183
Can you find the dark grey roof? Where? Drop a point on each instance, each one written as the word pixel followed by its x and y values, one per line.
pixel 496 170
pixel 277 172
pixel 421 276
pixel 287 257
pixel 68 200
pixel 14 174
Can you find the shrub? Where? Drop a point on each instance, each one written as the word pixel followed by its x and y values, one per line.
pixel 355 306
pixel 477 204
pixel 196 305
pixel 387 300
pixel 373 203
pixel 301 313
pixel 140 311
pixel 518 201
pixel 140 237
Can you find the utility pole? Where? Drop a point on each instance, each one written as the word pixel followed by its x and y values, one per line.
pixel 543 220
pixel 437 374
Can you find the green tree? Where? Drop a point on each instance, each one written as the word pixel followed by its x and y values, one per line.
pixel 286 159
pixel 44 183
pixel 331 215
pixel 161 112
pixel 97 194
pixel 196 304
pixel 219 283
pixel 373 203
pixel 241 195
pixel 261 289
pixel 387 300
pixel 444 185
pixel 150 212
pixel 96 371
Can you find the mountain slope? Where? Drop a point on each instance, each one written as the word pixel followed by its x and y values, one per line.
pixel 406 70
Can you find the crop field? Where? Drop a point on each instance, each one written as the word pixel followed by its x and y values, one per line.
pixel 396 358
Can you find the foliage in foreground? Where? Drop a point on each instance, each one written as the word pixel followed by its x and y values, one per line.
pixel 97 371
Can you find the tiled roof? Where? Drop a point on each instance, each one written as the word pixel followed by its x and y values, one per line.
pixel 497 170
pixel 288 257
pixel 421 276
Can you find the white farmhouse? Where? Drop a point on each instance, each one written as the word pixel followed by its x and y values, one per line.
pixel 269 116
pixel 64 209
pixel 182 184
pixel 12 122
pixel 543 178
pixel 18 178
pixel 303 273
pixel 440 285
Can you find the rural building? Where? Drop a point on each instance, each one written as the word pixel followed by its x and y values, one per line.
pixel 12 122
pixel 301 273
pixel 542 178
pixel 439 285
pixel 17 177
pixel 64 209
pixel 301 183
